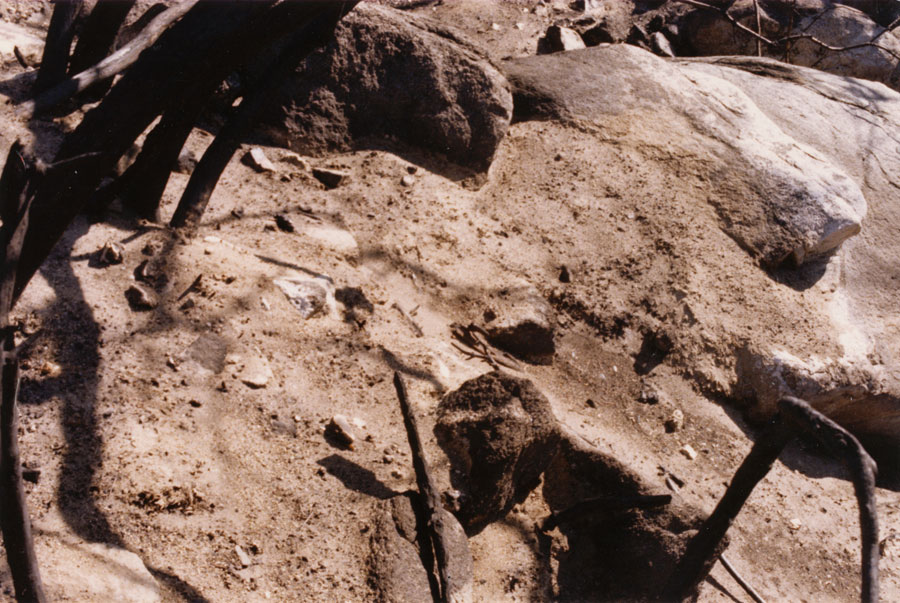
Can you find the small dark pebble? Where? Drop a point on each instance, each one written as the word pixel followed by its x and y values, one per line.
pixel 283 223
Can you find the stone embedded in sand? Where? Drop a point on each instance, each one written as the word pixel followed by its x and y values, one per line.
pixel 523 326
pixel 309 295
pixel 675 422
pixel 186 162
pixel 111 253
pixel 499 433
pixel 141 298
pixel 341 429
pixel 255 372
pixel 256 158
pixel 329 177
pixel 559 39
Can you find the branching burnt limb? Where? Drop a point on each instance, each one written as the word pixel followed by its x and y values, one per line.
pixel 57 44
pixel 428 491
pixel 15 196
pixel 702 551
pixel 841 444
pixel 97 39
pixel 108 67
pixel 318 24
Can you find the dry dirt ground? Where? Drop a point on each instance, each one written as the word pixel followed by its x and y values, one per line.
pixel 147 436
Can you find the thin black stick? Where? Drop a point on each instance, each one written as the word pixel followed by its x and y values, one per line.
pixel 428 490
pixel 863 470
pixel 701 554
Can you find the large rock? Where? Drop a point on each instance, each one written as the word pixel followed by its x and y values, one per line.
pixel 707 33
pixel 499 433
pixel 853 122
pixel 392 75
pixel 778 198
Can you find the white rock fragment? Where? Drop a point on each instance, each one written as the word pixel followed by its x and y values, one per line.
pixel 310 296
pixel 688 451
pixel 256 158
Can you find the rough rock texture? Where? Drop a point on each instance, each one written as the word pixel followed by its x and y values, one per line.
pixel 396 562
pixel 559 39
pixel 840 117
pixel 396 76
pixel 707 33
pixel 523 326
pixel 616 553
pixel 499 433
pixel 788 201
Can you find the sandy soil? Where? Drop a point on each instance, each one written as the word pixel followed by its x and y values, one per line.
pixel 148 437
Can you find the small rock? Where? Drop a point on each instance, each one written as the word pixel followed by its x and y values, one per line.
pixel 407 181
pixel 340 428
pixel 688 451
pixel 257 159
pixel 590 402
pixel 50 369
pixel 524 327
pixel 110 253
pixel 309 295
pixel 659 44
pixel 284 223
pixel 564 276
pixel 256 372
pixel 649 395
pixel 243 557
pixel 559 39
pixel 186 162
pixel 195 403
pixel 141 298
pixel 795 524
pixel 31 472
pixel 296 160
pixel 330 178
pixel 675 422
pixel 387 459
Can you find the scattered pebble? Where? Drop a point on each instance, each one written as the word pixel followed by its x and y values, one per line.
pixel 51 369
pixel 257 159
pixel 110 253
pixel 795 524
pixel 243 557
pixel 564 276
pixel 283 223
pixel 675 422
pixel 688 451
pixel 407 181
pixel 340 428
pixel 296 160
pixel 330 178
pixel 141 298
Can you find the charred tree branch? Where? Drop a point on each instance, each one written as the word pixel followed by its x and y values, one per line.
pixel 430 495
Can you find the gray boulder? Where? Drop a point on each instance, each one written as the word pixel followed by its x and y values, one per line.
pixel 852 122
pixel 707 33
pixel 499 433
pixel 778 198
pixel 389 75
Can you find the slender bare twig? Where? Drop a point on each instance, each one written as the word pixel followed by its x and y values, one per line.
pixel 758 28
